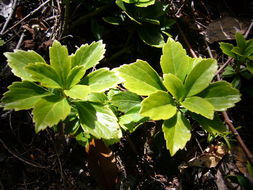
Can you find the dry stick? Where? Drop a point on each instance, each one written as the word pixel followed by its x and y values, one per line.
pixel 9 17
pixel 224 114
pixel 34 11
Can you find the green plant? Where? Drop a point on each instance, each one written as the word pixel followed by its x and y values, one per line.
pixel 150 21
pixel 243 59
pixel 184 91
pixel 60 91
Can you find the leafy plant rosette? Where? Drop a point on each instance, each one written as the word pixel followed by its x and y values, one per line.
pixel 243 56
pixel 185 90
pixel 60 91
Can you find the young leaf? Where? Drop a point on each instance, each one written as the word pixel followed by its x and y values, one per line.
pixel 101 80
pixel 199 105
pixel 89 55
pixel 174 85
pixel 23 95
pixel 200 76
pixel 177 132
pixel 45 74
pixel 227 49
pixel 214 126
pixel 19 59
pixel 125 100
pixel 240 41
pixel 49 111
pixel 75 76
pixel 98 120
pixel 60 60
pixel 158 105
pixel 78 92
pixel 174 59
pixel 140 78
pixel 221 95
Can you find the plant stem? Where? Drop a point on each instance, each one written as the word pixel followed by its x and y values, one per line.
pixel 66 18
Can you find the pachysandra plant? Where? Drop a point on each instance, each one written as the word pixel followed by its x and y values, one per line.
pixel 185 90
pixel 61 91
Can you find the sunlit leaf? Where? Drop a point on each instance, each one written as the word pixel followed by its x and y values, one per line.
pixel 19 59
pixel 101 80
pixel 199 105
pixel 60 60
pixel 158 105
pixel 174 85
pixel 78 92
pixel 98 120
pixel 174 59
pixel 75 76
pixel 45 74
pixel 23 95
pixel 49 111
pixel 221 95
pixel 176 133
pixel 200 76
pixel 140 78
pixel 125 100
pixel 89 55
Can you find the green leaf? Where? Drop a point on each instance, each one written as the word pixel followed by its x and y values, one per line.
pixel 240 41
pixel 228 71
pixel 174 59
pixel 199 105
pixel 227 49
pixel 143 3
pixel 78 92
pixel 45 74
pixel 97 97
pixel 250 67
pixel 140 78
pixel 19 59
pixel 151 35
pixel 101 80
pixel 221 95
pixel 98 120
pixel 174 85
pixel 23 95
pixel 89 55
pixel 49 111
pixel 200 76
pixel 177 132
pixel 75 76
pixel 214 126
pixel 158 105
pixel 125 100
pixel 132 119
pixel 60 60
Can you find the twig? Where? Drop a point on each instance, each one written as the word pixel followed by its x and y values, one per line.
pixel 248 31
pixel 229 60
pixel 20 40
pixel 30 14
pixel 238 137
pixel 9 17
pixel 20 158
pixel 186 41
